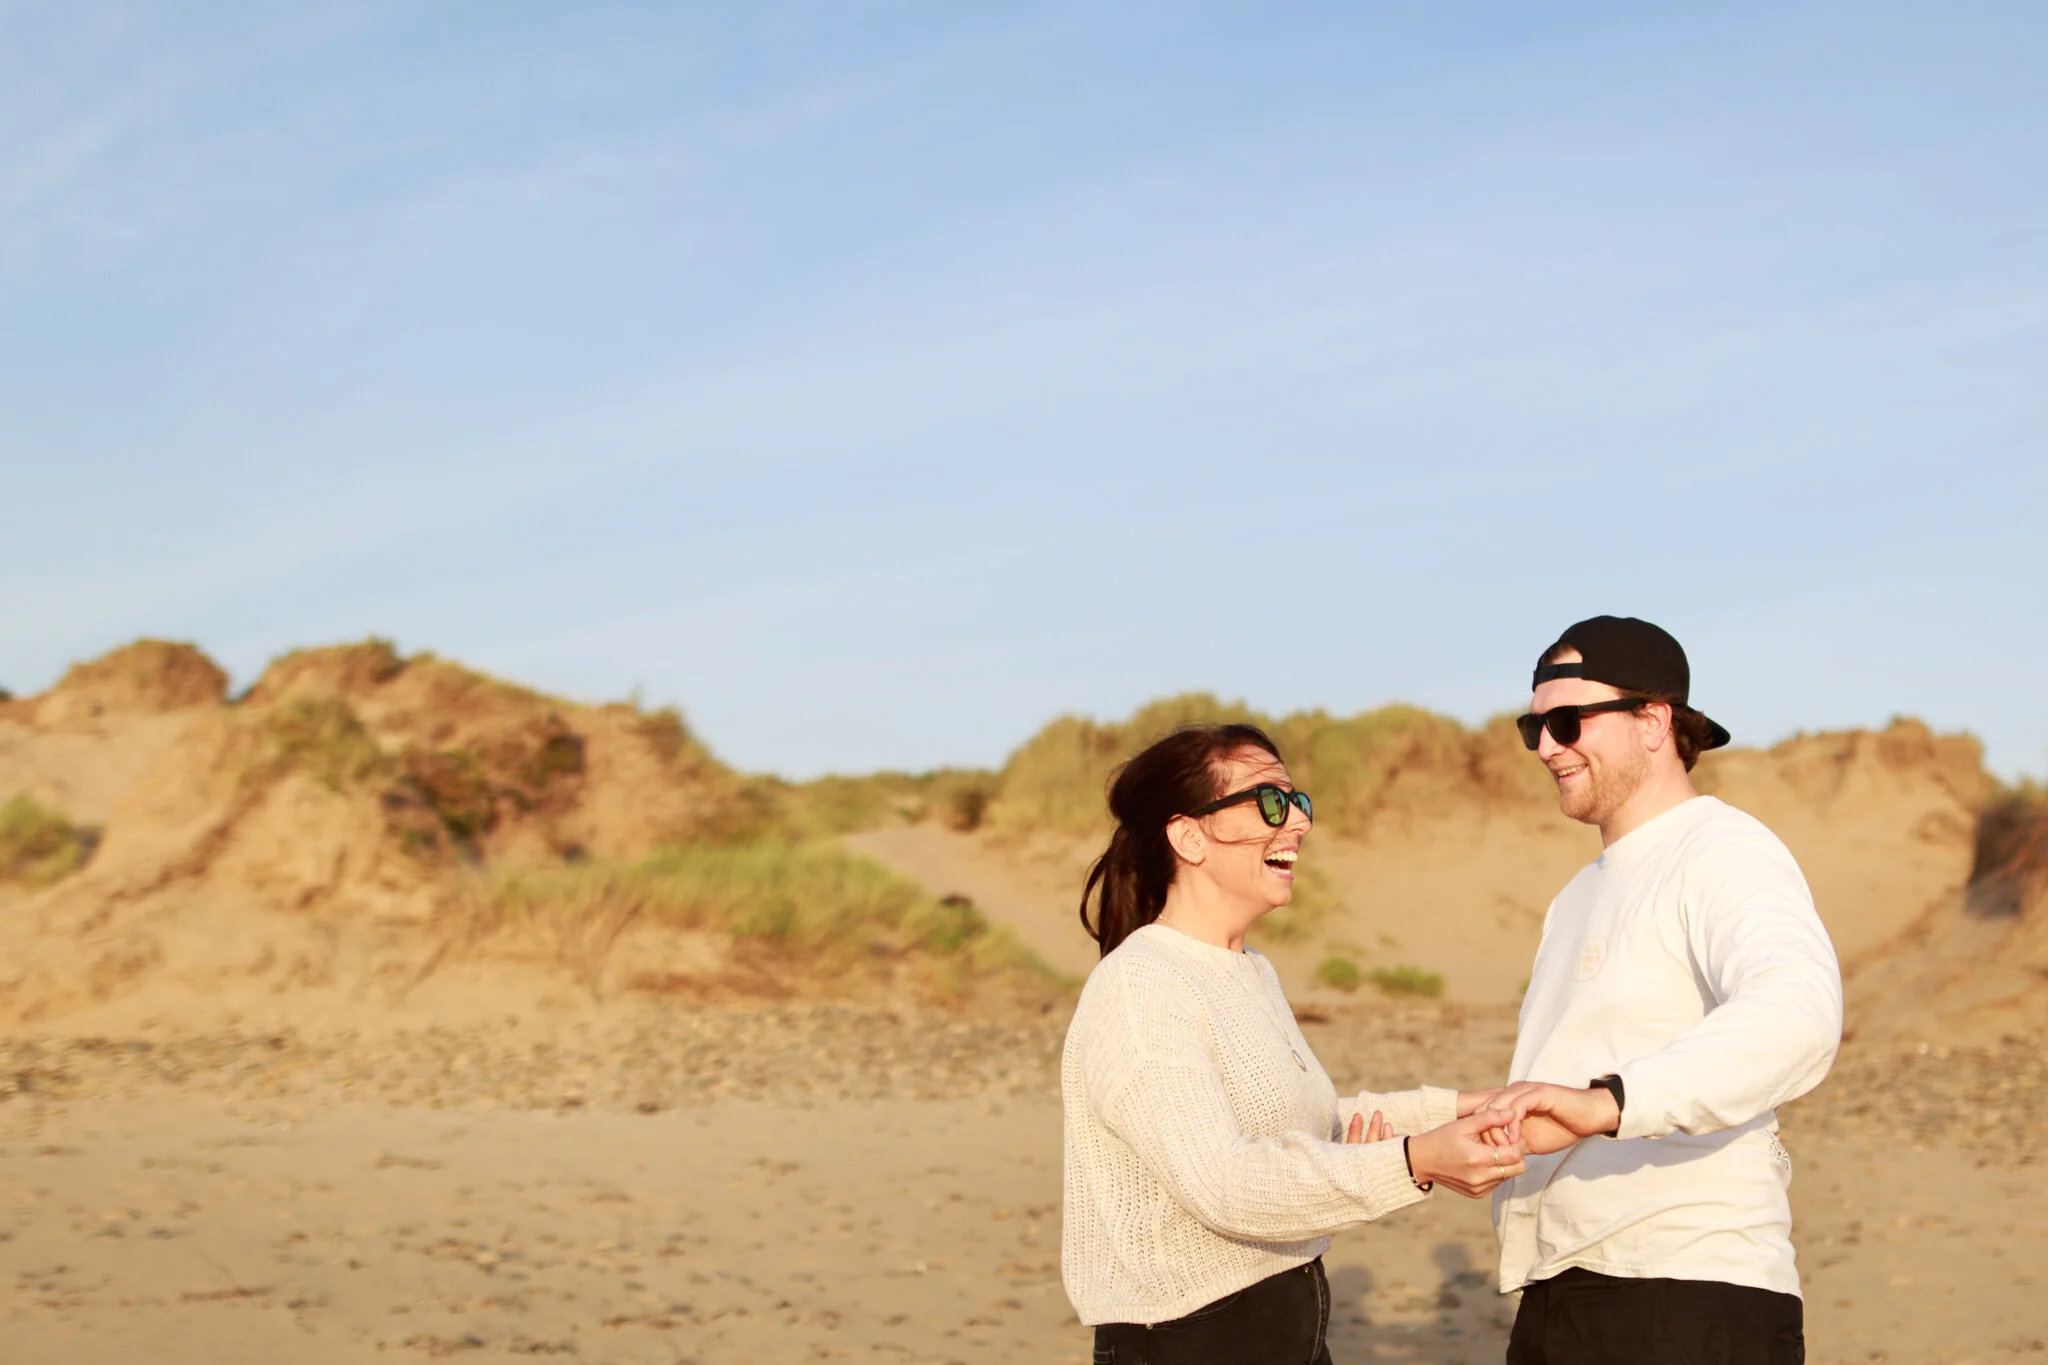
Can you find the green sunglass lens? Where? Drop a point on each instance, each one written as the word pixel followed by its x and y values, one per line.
pixel 1273 805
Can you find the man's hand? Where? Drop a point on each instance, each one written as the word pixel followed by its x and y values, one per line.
pixel 1458 1155
pixel 1550 1118
pixel 1471 1102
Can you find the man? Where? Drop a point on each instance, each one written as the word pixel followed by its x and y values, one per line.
pixel 1684 988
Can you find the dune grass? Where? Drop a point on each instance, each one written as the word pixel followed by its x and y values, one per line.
pixel 1343 974
pixel 806 908
pixel 39 845
pixel 1404 979
pixel 1339 973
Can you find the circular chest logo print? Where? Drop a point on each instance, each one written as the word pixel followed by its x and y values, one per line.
pixel 1592 958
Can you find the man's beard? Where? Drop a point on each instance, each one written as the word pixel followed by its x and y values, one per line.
pixel 1605 791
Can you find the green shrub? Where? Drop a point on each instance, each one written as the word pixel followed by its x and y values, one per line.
pixel 1339 973
pixel 1406 980
pixel 38 845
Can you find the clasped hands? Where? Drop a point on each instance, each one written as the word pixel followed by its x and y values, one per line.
pixel 1494 1130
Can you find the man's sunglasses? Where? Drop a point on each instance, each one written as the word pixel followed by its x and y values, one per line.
pixel 1273 803
pixel 1564 722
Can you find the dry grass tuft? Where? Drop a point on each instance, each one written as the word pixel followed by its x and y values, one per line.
pixel 2009 873
pixel 38 845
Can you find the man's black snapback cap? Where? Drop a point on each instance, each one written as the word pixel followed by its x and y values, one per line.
pixel 1632 655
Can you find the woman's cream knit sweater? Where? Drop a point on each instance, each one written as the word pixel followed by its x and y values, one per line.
pixel 1203 1146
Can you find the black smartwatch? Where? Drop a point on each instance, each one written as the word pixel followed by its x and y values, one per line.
pixel 1612 1085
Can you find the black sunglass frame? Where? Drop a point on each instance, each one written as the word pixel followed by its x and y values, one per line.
pixel 1269 807
pixel 1560 719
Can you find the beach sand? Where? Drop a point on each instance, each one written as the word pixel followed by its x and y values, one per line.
pixel 811 1183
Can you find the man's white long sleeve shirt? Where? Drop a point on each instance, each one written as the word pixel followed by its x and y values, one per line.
pixel 1689 961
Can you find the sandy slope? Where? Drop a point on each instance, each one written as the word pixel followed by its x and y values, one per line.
pixel 1037 897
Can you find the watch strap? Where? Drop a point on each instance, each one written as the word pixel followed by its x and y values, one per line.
pixel 1612 1085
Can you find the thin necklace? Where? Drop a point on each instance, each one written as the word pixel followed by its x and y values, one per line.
pixel 1292 1051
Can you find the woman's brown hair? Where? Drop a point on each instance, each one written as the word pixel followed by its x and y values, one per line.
pixel 1171 777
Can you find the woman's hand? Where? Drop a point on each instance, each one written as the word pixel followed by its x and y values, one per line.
pixel 1459 1155
pixel 1379 1130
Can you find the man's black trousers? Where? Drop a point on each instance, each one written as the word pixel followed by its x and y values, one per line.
pixel 1584 1318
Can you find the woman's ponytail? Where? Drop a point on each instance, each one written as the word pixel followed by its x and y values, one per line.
pixel 1129 882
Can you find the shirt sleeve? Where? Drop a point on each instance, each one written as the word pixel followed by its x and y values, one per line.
pixel 1170 1107
pixel 1410 1111
pixel 1760 949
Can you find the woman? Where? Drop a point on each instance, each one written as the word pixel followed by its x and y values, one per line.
pixel 1208 1158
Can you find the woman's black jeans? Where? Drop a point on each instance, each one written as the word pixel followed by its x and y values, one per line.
pixel 1281 1320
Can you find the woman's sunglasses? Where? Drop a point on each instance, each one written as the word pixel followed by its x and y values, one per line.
pixel 1564 722
pixel 1273 803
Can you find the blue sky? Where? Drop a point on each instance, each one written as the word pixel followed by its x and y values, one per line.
pixel 877 381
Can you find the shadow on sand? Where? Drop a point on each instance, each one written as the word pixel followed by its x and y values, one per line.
pixel 1468 1322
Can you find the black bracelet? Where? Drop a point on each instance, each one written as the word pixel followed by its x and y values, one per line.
pixel 1411 1169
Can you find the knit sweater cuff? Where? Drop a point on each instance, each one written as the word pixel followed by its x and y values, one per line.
pixel 1388 1186
pixel 1439 1107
